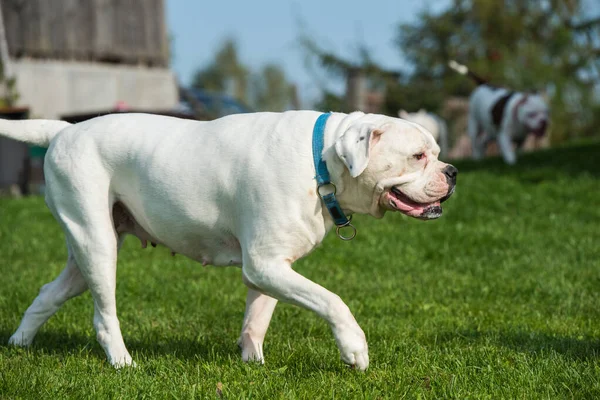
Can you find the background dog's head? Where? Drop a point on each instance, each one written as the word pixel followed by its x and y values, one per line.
pixel 532 113
pixel 393 165
pixel 422 118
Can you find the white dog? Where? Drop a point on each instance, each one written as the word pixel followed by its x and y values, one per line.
pixel 433 123
pixel 502 115
pixel 239 190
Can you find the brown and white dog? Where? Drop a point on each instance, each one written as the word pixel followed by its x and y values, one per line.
pixel 502 115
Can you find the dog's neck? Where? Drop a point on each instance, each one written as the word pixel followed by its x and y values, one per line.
pixel 350 195
pixel 519 100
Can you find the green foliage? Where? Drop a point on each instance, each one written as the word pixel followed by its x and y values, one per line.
pixel 10 95
pixel 522 45
pixel 226 67
pixel 497 299
pixel 272 92
pixel 331 102
pixel 266 90
pixel 377 78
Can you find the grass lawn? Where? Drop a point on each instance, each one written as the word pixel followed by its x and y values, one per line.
pixel 500 298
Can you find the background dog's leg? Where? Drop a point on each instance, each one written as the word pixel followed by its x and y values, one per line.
pixel 279 280
pixel 259 310
pixel 476 136
pixel 68 284
pixel 505 144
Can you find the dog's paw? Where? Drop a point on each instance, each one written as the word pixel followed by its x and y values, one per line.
pixel 252 349
pixel 124 361
pixel 353 347
pixel 358 360
pixel 19 341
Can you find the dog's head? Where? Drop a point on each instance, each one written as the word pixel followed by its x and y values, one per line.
pixel 393 165
pixel 422 118
pixel 532 113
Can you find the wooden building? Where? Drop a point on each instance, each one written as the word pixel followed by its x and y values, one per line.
pixel 109 31
pixel 72 57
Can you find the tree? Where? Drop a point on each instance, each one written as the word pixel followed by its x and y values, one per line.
pixel 358 75
pixel 10 95
pixel 224 70
pixel 522 45
pixel 272 91
pixel 266 90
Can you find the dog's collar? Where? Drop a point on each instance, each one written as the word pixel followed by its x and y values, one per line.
pixel 324 183
pixel 515 109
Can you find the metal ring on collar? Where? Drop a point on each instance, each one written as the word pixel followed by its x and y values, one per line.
pixel 346 225
pixel 324 185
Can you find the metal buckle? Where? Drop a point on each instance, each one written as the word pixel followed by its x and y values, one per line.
pixel 338 228
pixel 324 185
pixel 346 225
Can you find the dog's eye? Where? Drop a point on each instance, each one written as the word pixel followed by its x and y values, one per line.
pixel 419 156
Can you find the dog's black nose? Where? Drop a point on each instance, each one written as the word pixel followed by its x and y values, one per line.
pixel 450 171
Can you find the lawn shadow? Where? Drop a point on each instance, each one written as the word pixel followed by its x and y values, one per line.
pixel 578 348
pixel 61 343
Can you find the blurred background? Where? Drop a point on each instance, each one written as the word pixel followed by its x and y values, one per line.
pixel 77 59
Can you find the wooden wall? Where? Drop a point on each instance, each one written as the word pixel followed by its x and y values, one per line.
pixel 116 31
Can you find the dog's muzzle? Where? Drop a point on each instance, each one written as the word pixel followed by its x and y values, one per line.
pixel 541 129
pixel 451 173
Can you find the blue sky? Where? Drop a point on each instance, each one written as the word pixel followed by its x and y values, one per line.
pixel 267 32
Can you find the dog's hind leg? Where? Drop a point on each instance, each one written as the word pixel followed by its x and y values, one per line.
pixel 83 206
pixel 68 284
pixel 259 310
pixel 95 247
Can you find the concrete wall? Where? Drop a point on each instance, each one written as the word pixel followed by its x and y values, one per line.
pixel 53 88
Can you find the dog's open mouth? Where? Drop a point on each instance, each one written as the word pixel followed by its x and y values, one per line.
pixel 539 130
pixel 399 201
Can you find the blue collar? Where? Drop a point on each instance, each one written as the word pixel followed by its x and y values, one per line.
pixel 323 180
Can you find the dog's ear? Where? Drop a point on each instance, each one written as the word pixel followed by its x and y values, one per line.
pixel 354 147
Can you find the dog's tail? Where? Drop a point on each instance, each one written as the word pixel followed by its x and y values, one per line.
pixel 38 132
pixel 464 70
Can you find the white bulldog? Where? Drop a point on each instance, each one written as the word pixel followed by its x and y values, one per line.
pixel 239 190
pixel 502 115
pixel 433 123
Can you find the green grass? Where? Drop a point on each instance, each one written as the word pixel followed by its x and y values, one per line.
pixel 500 298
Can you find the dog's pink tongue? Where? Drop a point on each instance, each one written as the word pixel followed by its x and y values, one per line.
pixel 410 208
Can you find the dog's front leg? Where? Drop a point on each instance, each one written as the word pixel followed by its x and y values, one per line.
pixel 259 310
pixel 505 144
pixel 279 280
pixel 476 135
